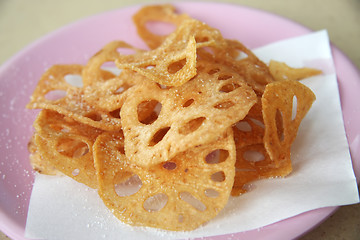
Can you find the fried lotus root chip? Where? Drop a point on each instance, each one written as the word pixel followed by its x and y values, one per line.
pixel 179 195
pixel 37 162
pixel 278 99
pixel 156 13
pixel 174 62
pixel 67 145
pixel 53 92
pixel 252 160
pixel 281 71
pixel 192 114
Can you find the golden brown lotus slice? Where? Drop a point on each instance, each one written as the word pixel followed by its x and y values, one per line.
pixel 281 71
pixel 156 13
pixel 180 194
pixel 174 62
pixel 291 100
pixel 190 115
pixel 252 160
pixel 67 145
pixel 54 92
pixel 37 162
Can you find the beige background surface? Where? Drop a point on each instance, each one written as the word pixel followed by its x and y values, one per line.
pixel 23 21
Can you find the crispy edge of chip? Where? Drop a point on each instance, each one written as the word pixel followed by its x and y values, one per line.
pixel 281 71
pixel 279 97
pixel 163 13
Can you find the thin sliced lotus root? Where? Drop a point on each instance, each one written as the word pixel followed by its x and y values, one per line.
pixel 94 69
pixel 38 163
pixel 281 71
pixel 190 115
pixel 178 49
pixel 156 13
pixel 179 195
pixel 278 98
pixel 70 100
pixel 252 159
pixel 67 145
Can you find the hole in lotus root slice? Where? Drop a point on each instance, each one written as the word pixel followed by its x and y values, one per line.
pixel 176 66
pixel 229 87
pixel 67 150
pixel 55 95
pixel 217 156
pixel 160 28
pixel 72 148
pixel 93 116
pixel 253 163
pixel 194 202
pixel 74 80
pixel 127 184
pixel 176 214
pixel 191 125
pixel 148 111
pixel 278 97
pixel 243 126
pixel 158 136
pixel 218 176
pixel 253 156
pixel 188 102
pixel 224 105
pixel 145 18
pixel 169 165
pixel 156 202
pixel 211 193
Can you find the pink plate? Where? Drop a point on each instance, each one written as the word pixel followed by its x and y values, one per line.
pixel 77 42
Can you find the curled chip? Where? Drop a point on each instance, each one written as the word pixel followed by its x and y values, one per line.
pixel 54 92
pixel 189 115
pixel 281 98
pixel 281 71
pixel 156 13
pixel 252 159
pixel 180 194
pixel 173 63
pixel 94 72
pixel 67 146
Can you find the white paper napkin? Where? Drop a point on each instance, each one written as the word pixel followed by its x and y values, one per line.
pixel 61 208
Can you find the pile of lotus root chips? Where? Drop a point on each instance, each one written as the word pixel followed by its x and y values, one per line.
pixel 177 129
